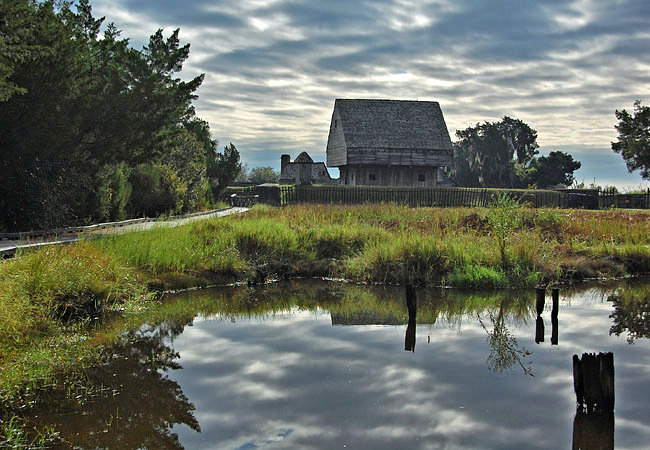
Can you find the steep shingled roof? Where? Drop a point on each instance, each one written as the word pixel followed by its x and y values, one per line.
pixel 303 158
pixel 400 124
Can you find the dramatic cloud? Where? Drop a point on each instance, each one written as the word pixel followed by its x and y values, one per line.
pixel 274 68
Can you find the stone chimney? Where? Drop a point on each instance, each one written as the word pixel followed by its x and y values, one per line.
pixel 284 160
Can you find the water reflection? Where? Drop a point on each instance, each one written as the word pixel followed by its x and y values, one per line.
pixel 132 403
pixel 505 351
pixel 593 430
pixel 320 365
pixel 411 305
pixel 631 313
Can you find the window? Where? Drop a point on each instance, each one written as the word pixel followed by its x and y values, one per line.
pixel 336 123
pixel 421 177
pixel 371 177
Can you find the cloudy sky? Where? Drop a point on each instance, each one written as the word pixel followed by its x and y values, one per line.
pixel 273 68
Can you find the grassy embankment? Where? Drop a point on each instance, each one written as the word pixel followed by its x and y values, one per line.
pixel 47 296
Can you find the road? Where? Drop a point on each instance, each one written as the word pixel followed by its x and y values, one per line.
pixel 8 247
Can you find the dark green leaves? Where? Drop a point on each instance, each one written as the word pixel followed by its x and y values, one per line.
pixel 634 138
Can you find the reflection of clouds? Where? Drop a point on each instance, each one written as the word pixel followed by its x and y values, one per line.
pixel 636 426
pixel 294 380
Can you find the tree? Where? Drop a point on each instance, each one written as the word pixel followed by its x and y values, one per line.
pixel 225 169
pixel 259 175
pixel 80 111
pixel 556 168
pixel 493 154
pixel 243 173
pixel 634 138
pixel 17 43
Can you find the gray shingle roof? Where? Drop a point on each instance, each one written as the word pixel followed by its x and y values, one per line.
pixel 389 124
pixel 303 158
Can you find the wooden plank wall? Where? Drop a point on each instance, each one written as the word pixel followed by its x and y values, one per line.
pixel 442 196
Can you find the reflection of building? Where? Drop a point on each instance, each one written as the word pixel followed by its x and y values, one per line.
pixel 365 318
pixel 303 170
pixel 389 143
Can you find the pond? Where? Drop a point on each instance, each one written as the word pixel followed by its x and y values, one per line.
pixel 317 364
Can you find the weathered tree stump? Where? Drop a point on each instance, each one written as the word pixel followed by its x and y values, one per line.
pixel 593 381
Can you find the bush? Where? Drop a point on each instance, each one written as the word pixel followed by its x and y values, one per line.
pixel 159 190
pixel 113 192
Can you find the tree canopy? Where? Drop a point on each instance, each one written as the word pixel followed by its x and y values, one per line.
pixel 260 175
pixel 634 138
pixel 502 155
pixel 492 153
pixel 555 169
pixel 87 120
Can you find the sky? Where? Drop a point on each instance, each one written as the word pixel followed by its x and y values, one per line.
pixel 273 68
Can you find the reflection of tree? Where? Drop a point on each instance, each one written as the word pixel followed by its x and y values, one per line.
pixel 631 314
pixel 504 349
pixel 135 404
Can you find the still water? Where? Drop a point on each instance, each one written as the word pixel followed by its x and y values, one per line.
pixel 315 364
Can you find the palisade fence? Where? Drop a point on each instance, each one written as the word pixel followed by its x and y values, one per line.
pixel 432 196
pixel 612 199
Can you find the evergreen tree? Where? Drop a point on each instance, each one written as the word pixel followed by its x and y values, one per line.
pixel 634 138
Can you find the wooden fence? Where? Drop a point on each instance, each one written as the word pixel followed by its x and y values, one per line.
pixel 442 197
pixel 612 199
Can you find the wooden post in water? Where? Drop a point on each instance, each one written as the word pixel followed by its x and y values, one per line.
pixel 411 305
pixel 593 430
pixel 539 322
pixel 555 294
pixel 541 298
pixel 593 381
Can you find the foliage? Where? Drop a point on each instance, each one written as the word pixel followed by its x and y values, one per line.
pixel 243 173
pixel 489 154
pixel 76 106
pixel 505 352
pixel 224 170
pixel 159 190
pixel 634 138
pixel 260 175
pixel 113 191
pixel 17 43
pixel 555 169
pixel 631 313
pixel 505 219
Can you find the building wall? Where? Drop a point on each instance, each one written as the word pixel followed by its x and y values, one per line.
pixel 399 157
pixel 303 173
pixel 336 147
pixel 389 176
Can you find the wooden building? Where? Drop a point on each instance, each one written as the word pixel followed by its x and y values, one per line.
pixel 389 143
pixel 303 170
